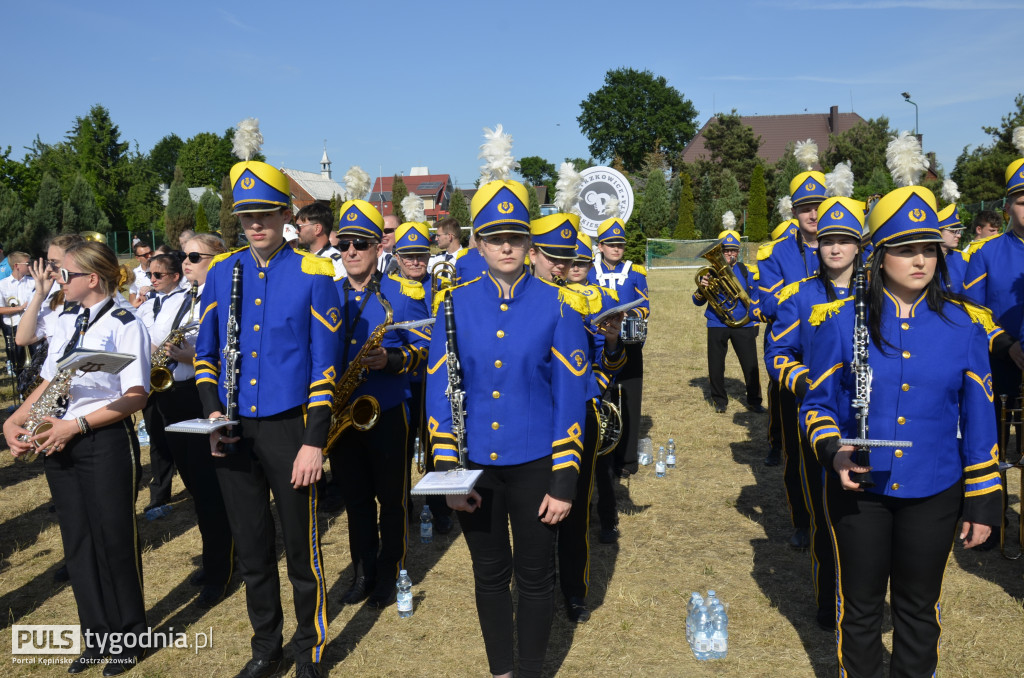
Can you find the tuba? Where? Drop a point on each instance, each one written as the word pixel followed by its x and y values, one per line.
pixel 724 293
pixel 363 412
pixel 611 424
pixel 161 367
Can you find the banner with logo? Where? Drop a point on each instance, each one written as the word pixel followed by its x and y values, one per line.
pixel 599 185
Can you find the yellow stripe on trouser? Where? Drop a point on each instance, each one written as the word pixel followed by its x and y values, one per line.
pixel 839 584
pixel 316 566
pixel 590 495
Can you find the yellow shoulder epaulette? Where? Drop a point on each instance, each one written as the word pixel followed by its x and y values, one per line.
pixel 979 314
pixel 575 300
pixel 592 293
pixel 752 267
pixel 440 294
pixel 224 255
pixel 821 312
pixel 315 265
pixel 791 289
pixel 642 270
pixel 460 253
pixel 977 245
pixel 608 292
pixel 410 288
pixel 765 250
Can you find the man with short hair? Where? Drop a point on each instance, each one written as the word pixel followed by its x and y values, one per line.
pixel 140 289
pixel 16 291
pixel 185 236
pixel 386 263
pixel 986 224
pixel 449 242
pixel 314 223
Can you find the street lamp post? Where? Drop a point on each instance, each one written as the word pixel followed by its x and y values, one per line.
pixel 906 96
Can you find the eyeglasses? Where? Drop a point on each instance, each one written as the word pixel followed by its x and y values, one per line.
pixel 157 275
pixel 360 244
pixel 515 241
pixel 66 275
pixel 145 255
pixel 388 230
pixel 196 257
pixel 580 263
pixel 53 264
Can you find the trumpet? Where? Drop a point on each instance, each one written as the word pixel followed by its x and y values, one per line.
pixel 724 292
pixel 161 367
pixel 1009 416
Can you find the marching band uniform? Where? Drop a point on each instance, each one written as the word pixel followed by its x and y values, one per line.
pixel 956 265
pixel 372 463
pixel 20 291
pixel 331 252
pixel 783 230
pixel 469 264
pixel 786 356
pixel 901 529
pixel 289 316
pixel 524 369
pixel 744 338
pixel 629 281
pixel 781 263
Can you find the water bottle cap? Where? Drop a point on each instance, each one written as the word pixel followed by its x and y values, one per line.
pixel 711 593
pixel 402 573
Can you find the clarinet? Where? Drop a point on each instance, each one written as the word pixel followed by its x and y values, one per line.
pixel 232 354
pixel 455 391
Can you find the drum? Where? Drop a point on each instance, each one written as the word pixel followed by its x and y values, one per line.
pixel 634 330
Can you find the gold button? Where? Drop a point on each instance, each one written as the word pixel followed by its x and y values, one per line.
pixel 497 363
pixel 906 354
pixel 501 333
pixel 895 486
pixel 899 454
pixel 256 328
pixel 261 275
pixel 259 301
pixel 504 307
pixel 901 420
pixel 254 354
pixel 905 387
pixel 252 408
pixel 494 425
pixel 494 456
pixel 495 395
pixel 358 298
pixel 252 382
pixel 905 326
pixel 353 341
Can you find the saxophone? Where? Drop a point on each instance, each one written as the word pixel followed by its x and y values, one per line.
pixel 52 402
pixel 363 412
pixel 161 367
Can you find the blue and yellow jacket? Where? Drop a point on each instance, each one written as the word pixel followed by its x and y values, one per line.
pixel 957 267
pixel 469 265
pixel 780 263
pixel 406 348
pixel 626 279
pixel 920 392
pixel 749 283
pixel 290 317
pixel 995 278
pixel 604 366
pixel 525 370
pixel 788 350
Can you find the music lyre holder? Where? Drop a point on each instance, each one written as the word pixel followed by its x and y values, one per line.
pixel 862 449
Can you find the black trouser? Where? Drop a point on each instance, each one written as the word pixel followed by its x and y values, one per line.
pixel 438 506
pixel 263 463
pixel 195 464
pixel 899 544
pixel 574 531
pixel 92 483
pixel 792 476
pixel 604 481
pixel 161 458
pixel 631 378
pixel 372 467
pixel 744 343
pixel 1006 381
pixel 774 416
pixel 512 495
pixel 823 562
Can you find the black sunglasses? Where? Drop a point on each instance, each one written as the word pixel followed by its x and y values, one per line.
pixel 156 275
pixel 66 275
pixel 360 244
pixel 196 257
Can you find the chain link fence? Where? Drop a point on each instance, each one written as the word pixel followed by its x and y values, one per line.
pixel 686 253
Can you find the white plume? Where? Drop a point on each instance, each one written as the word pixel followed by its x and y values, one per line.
pixel 1018 139
pixel 248 139
pixel 950 191
pixel 496 152
pixel 839 182
pixel 729 221
pixel 412 208
pixel 611 208
pixel 806 153
pixel 907 163
pixel 357 183
pixel 785 207
pixel 567 189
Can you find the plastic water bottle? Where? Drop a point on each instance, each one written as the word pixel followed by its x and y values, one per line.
pixel 659 468
pixel 719 633
pixel 670 458
pixel 691 611
pixel 426 525
pixel 645 447
pixel 417 452
pixel 712 600
pixel 702 634
pixel 143 433
pixel 404 586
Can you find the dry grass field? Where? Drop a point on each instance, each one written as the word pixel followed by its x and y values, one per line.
pixel 719 520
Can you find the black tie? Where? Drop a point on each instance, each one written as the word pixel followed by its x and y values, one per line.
pixel 157 306
pixel 447 256
pixel 81 323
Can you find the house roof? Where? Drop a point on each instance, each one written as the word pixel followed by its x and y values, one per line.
pixel 195 193
pixel 425 185
pixel 315 184
pixel 776 131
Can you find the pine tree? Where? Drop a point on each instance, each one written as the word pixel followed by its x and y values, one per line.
pixel 458 209
pixel 335 207
pixel 685 228
pixel 80 210
pixel 757 211
pixel 636 243
pixel 398 193
pixel 12 216
pixel 228 221
pixel 211 210
pixel 202 223
pixel 730 199
pixel 655 211
pixel 705 219
pixel 534 204
pixel 180 213
pixel 44 221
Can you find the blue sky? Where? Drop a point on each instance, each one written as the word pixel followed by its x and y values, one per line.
pixel 395 84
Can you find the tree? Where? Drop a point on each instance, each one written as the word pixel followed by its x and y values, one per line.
pixel 100 157
pixel 458 209
pixel 533 203
pixel 580 164
pixel 80 210
pixel 879 182
pixel 181 211
pixel 863 145
pixel 636 243
pixel 44 221
pixel 756 228
pixel 398 193
pixel 536 170
pixel 732 145
pixel 634 113
pixel 729 199
pixel 142 206
pixel 781 174
pixel 685 228
pixel 203 159
pixel 655 211
pixel 229 229
pixel 12 216
pixel 979 173
pixel 704 219
pixel 164 157
pixel 210 203
pixel 202 223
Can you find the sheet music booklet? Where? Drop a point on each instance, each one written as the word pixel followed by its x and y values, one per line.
pixel 201 425
pixel 87 360
pixel 456 481
pixel 617 309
